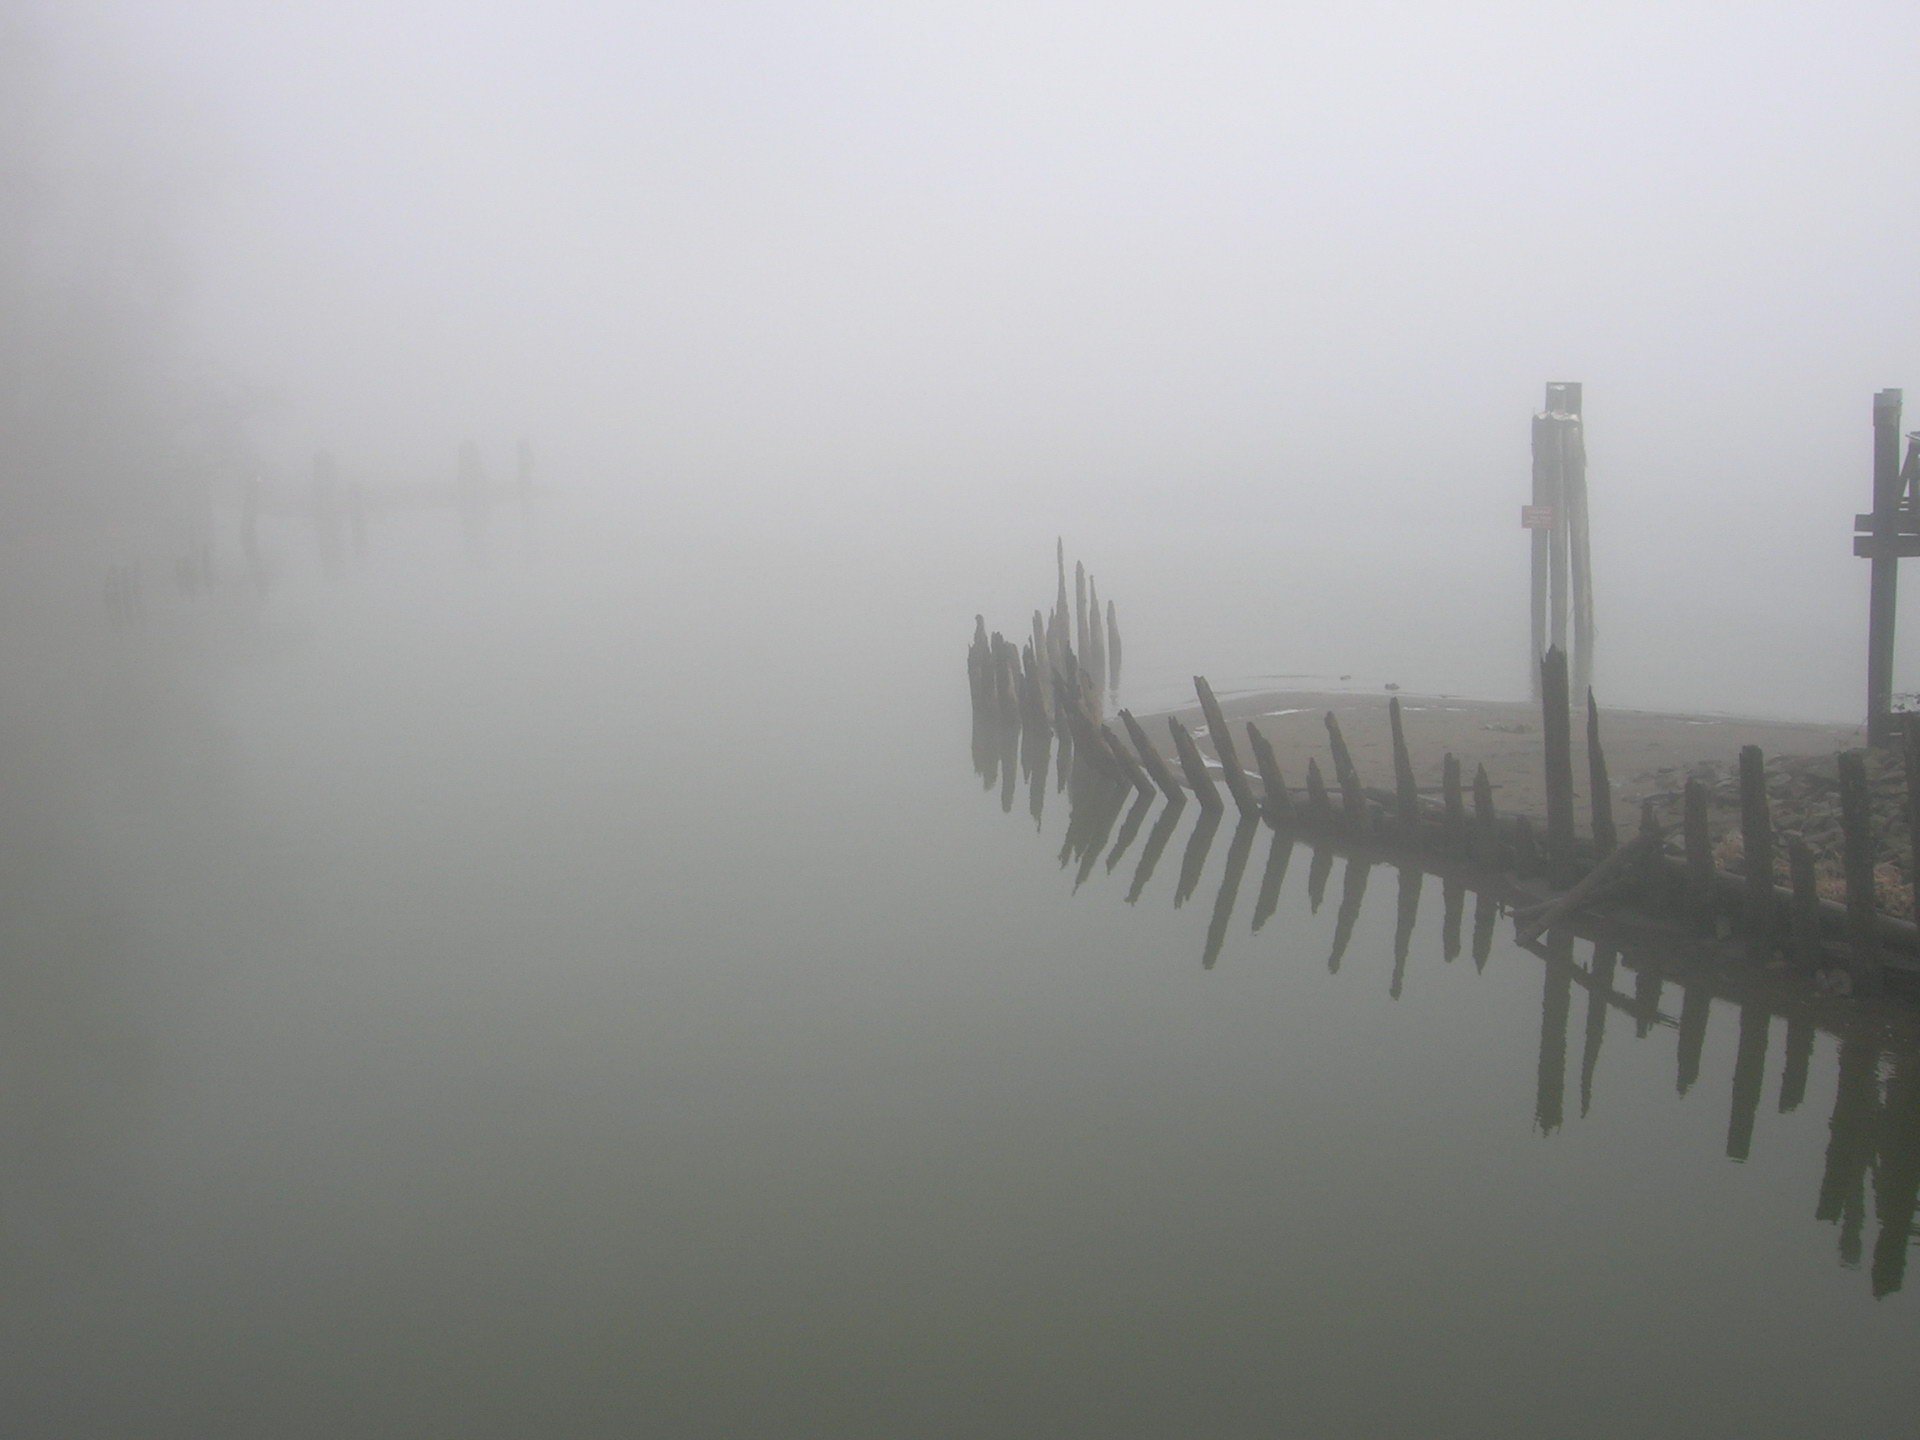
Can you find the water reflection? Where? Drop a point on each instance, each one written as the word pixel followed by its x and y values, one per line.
pixel 1870 1176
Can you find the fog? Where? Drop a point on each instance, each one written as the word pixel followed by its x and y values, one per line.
pixel 550 967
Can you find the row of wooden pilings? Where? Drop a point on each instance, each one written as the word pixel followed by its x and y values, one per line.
pixel 1848 947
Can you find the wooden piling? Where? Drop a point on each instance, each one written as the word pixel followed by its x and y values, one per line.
pixel 1406 791
pixel 1080 610
pixel 1454 826
pixel 1319 806
pixel 1605 837
pixel 1128 766
pixel 1353 800
pixel 1756 841
pixel 1486 833
pixel 1276 804
pixel 1113 648
pixel 1883 584
pixel 1856 826
pixel 1556 725
pixel 1195 769
pixel 1222 736
pixel 1911 727
pixel 1096 638
pixel 1150 758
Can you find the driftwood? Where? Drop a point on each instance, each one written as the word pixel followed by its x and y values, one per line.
pixel 1616 868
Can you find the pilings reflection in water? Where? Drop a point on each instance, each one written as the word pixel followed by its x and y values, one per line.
pixel 1870 1177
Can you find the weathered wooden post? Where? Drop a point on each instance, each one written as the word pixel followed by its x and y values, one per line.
pixel 1096 638
pixel 1557 518
pixel 1884 547
pixel 1080 610
pixel 1454 825
pixel 1486 832
pixel 1756 843
pixel 1277 804
pixel 1136 777
pixel 1406 794
pixel 1913 797
pixel 1556 729
pixel 1319 806
pixel 1353 799
pixel 1605 837
pixel 1194 768
pixel 1113 648
pixel 1222 736
pixel 1856 827
pixel 1150 758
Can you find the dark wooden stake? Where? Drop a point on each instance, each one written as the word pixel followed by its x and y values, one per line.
pixel 1195 769
pixel 1277 804
pixel 1455 823
pixel 1150 757
pixel 1353 799
pixel 1557 731
pixel 1486 832
pixel 1222 736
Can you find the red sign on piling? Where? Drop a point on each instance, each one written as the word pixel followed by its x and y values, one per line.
pixel 1536 517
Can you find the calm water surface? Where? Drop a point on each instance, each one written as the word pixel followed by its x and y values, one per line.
pixel 582 1000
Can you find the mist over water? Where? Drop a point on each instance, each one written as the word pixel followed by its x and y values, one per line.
pixel 546 962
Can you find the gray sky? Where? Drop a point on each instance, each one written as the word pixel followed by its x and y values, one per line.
pixel 1298 266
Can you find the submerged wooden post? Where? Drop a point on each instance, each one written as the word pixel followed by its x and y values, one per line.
pixel 1406 793
pixel 1353 800
pixel 1756 842
pixel 1557 732
pixel 1278 804
pixel 1699 847
pixel 1150 757
pixel 1195 769
pixel 1605 837
pixel 1856 826
pixel 1455 823
pixel 1222 736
